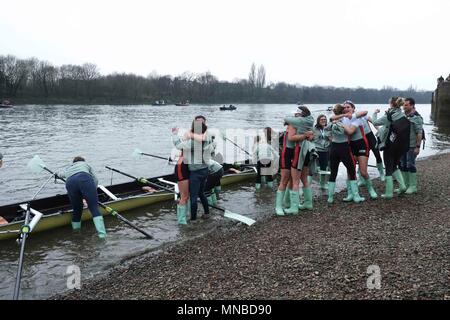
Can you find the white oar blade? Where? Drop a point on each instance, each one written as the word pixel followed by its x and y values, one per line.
pixel 137 153
pixel 239 217
pixel 36 164
pixel 324 172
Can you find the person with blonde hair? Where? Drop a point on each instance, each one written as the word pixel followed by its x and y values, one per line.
pixel 394 141
pixel 341 152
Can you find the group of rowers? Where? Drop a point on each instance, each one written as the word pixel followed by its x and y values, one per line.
pixel 304 149
pixel 347 138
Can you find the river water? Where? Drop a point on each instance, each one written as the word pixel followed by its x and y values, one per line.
pixel 108 135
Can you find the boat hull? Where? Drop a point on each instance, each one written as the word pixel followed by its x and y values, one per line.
pixel 60 215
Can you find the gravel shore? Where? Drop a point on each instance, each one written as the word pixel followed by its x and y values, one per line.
pixel 320 254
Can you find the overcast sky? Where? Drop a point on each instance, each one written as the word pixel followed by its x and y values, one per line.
pixel 367 43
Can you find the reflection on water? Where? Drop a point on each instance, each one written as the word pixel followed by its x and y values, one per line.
pixel 107 135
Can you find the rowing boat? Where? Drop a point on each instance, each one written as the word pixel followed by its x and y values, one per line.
pixel 57 210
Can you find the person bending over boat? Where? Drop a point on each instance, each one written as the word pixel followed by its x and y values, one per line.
pixel 303 123
pixel 341 152
pixel 81 183
pixel 197 155
pixel 264 155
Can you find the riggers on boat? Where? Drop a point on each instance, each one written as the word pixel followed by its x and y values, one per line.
pixel 57 210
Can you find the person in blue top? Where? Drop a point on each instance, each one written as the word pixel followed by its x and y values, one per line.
pixel 81 183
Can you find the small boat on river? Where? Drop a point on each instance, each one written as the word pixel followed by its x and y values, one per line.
pixel 230 107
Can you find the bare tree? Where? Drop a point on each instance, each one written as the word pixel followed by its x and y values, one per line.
pixel 252 76
pixel 261 77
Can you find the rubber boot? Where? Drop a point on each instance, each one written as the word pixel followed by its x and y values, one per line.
pixel 401 183
pixel 270 184
pixel 293 209
pixel 258 186
pixel 310 180
pixel 287 198
pixel 381 171
pixel 356 197
pixel 263 179
pixel 76 225
pixel 349 193
pixel 331 186
pixel 405 175
pixel 100 226
pixel 412 188
pixel 361 181
pixel 217 190
pixel 372 192
pixel 308 201
pixel 181 214
pixel 210 200
pixel 279 203
pixel 214 199
pixel 323 184
pixel 389 193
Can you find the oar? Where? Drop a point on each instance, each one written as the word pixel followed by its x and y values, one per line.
pixel 24 231
pixel 225 138
pixel 227 214
pixel 137 153
pixel 37 165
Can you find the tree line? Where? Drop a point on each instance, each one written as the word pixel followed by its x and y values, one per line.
pixel 34 81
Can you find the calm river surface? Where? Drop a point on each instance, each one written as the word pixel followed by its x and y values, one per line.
pixel 107 135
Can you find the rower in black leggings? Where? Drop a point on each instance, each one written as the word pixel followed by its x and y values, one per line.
pixel 341 152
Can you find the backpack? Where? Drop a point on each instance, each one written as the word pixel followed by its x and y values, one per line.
pixel 397 141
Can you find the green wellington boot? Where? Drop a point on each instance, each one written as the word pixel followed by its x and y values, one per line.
pixel 214 199
pixel 381 171
pixel 412 188
pixel 308 201
pixel 372 192
pixel 287 198
pixel 270 184
pixel 349 193
pixel 401 183
pixel 217 190
pixel 331 186
pixel 356 197
pixel 405 175
pixel 181 214
pixel 389 193
pixel 361 181
pixel 100 226
pixel 279 203
pixel 210 200
pixel 76 225
pixel 294 197
pixel 322 182
pixel 258 186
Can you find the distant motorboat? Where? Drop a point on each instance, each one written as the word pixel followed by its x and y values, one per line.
pixel 183 103
pixel 159 103
pixel 231 107
pixel 6 104
pixel 330 108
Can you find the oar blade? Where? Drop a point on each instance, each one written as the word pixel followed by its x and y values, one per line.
pixel 239 217
pixel 36 164
pixel 137 153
